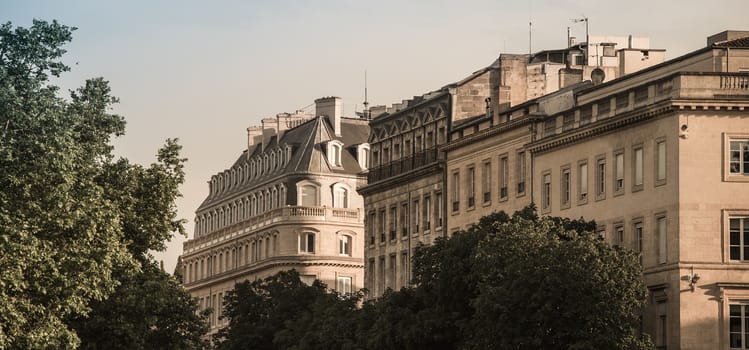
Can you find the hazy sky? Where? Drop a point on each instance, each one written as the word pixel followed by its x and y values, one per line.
pixel 202 71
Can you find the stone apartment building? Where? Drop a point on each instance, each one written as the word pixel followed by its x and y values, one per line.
pixel 404 198
pixel 659 158
pixel 288 202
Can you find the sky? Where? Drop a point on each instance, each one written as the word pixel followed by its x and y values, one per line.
pixel 203 71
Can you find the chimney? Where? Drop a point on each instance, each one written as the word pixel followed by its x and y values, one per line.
pixel 332 108
pixel 270 127
pixel 252 135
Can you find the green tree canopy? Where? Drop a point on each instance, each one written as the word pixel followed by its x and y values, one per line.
pixel 74 222
pixel 508 282
pixel 282 312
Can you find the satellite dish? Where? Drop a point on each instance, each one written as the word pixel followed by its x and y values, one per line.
pixel 597 76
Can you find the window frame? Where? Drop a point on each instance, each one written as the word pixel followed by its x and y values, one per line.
pixel 601 177
pixel 728 176
pixel 521 173
pixel 565 188
pixel 728 215
pixel 341 284
pixel 638 167
pixel 619 171
pixel 305 243
pixel 658 162
pixel 583 182
pixel 486 182
pixel 546 189
pixel 504 177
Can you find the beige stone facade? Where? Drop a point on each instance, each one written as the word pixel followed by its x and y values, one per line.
pixel 405 197
pixel 288 202
pixel 659 158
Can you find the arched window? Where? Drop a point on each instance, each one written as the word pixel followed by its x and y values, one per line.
pixel 309 197
pixel 282 196
pixel 273 161
pixel 261 203
pixel 274 196
pixel 267 200
pixel 253 205
pixel 362 153
pixel 267 247
pixel 240 211
pixel 307 243
pixel 335 148
pixel 345 243
pixel 340 197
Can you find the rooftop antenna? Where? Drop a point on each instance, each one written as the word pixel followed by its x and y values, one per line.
pixel 587 36
pixel 530 29
pixel 366 101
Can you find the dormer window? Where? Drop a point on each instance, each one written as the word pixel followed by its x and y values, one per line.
pixel 335 148
pixel 362 155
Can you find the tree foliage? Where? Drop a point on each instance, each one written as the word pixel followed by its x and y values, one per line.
pixel 282 312
pixel 508 282
pixel 75 223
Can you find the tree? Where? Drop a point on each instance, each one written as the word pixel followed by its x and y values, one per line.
pixel 551 283
pixel 282 312
pixel 76 223
pixel 149 310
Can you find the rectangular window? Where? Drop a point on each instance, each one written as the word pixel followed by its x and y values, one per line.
pixel 586 115
pixel 486 175
pixel 660 162
pixel 568 122
pixel 393 222
pixel 416 213
pixel 521 172
pixel 343 285
pixel 404 219
pixel 381 275
pixel 371 226
pixel 440 209
pixel 738 232
pixel 456 191
pixel 344 245
pixel 601 178
pixel 661 334
pixel 550 126
pixel 381 225
pixel 738 161
pixel 661 234
pixel 371 275
pixel 638 236
pixel 619 180
pixel 427 213
pixel 566 187
pixel 738 329
pixel 504 173
pixel 603 109
pixel 583 185
pixel 619 235
pixel 638 171
pixel 471 186
pixel 306 243
pixel 392 275
pixel 405 269
pixel 547 192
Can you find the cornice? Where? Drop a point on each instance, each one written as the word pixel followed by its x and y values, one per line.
pixel 483 134
pixel 601 127
pixel 409 176
pixel 338 262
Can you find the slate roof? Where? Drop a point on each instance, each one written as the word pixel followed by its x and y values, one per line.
pixel 308 152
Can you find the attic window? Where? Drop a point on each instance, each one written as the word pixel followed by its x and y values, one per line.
pixel 362 155
pixel 334 152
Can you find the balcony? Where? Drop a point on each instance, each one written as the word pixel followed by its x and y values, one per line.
pixel 285 215
pixel 403 165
